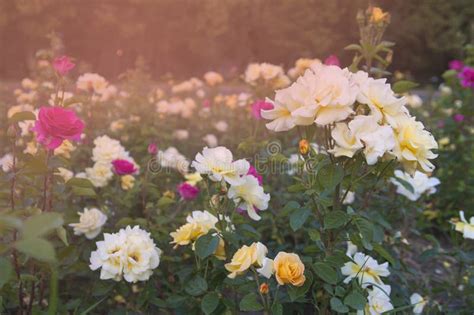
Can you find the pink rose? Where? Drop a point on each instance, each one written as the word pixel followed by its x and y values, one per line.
pixel 123 167
pixel 258 106
pixel 466 77
pixel 253 171
pixel 332 60
pixel 152 148
pixel 456 65
pixel 188 191
pixel 56 124
pixel 63 65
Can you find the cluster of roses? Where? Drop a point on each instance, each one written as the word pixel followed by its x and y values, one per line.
pixel 363 113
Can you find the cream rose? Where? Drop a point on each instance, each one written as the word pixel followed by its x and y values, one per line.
pixel 90 223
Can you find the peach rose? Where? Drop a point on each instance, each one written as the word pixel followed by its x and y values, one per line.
pixel 289 269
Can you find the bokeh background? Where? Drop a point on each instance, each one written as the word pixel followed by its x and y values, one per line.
pixel 189 37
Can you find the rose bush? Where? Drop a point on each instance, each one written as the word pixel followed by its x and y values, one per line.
pixel 281 193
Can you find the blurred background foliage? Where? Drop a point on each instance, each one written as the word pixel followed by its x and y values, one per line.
pixel 189 37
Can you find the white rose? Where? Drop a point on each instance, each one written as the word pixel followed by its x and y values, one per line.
pixel 90 223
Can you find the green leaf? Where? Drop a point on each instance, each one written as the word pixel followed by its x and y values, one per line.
pixel 206 245
pixel 21 116
pixel 6 271
pixel 325 272
pixel 37 248
pixel 403 86
pixel 365 228
pixel 82 191
pixel 249 303
pixel 196 286
pixel 80 182
pixel 41 224
pixel 405 184
pixel 277 309
pixel 209 302
pixel 384 253
pixel 353 47
pixel 62 235
pixel 335 219
pixel 336 305
pixel 330 175
pixel 298 218
pixel 164 202
pixel 355 300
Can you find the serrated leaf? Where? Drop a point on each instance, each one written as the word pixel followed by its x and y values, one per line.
pixel 41 224
pixel 196 286
pixel 365 228
pixel 209 302
pixel 330 176
pixel 403 86
pixel 206 245
pixel 249 303
pixel 325 272
pixel 335 219
pixel 298 218
pixel 37 248
pixel 299 292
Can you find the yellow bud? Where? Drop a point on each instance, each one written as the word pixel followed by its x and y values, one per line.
pixel 264 288
pixel 304 146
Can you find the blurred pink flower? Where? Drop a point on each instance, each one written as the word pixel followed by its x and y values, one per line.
pixel 56 124
pixel 123 167
pixel 188 191
pixel 332 60
pixel 467 77
pixel 63 65
pixel 206 103
pixel 152 148
pixel 440 124
pixel 258 106
pixel 458 117
pixel 253 171
pixel 456 65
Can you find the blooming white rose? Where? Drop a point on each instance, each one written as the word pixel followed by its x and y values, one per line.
pixel 204 219
pixel 91 82
pixel 90 223
pixel 141 255
pixel 418 303
pixel 210 140
pixel 173 159
pixel 420 182
pixel 463 226
pixel 107 149
pixel 378 301
pixel 249 196
pixel 109 256
pixel 219 165
pixel 64 173
pixel 130 253
pixel 267 268
pixel 181 134
pixel 383 104
pixel 100 174
pixel 366 269
pixel 6 162
pixel 221 126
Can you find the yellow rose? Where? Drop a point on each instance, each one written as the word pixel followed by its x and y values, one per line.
pixel 289 269
pixel 186 234
pixel 220 251
pixel 127 182
pixel 245 257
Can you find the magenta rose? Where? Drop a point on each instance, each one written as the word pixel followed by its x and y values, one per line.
pixel 152 148
pixel 188 191
pixel 458 118
pixel 332 60
pixel 123 167
pixel 467 77
pixel 253 171
pixel 56 124
pixel 258 106
pixel 63 65
pixel 456 65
